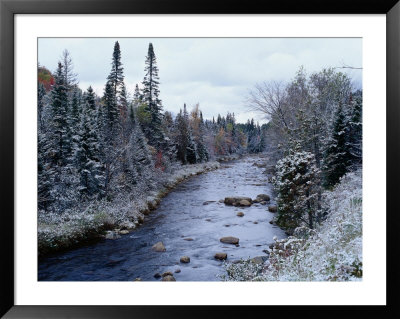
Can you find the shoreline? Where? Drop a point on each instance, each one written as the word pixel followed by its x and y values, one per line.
pixel 51 242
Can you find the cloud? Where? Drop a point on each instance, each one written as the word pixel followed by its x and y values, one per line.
pixel 215 72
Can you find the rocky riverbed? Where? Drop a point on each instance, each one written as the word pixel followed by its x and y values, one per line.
pixel 195 228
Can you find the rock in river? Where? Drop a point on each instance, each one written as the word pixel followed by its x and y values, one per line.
pixel 159 247
pixel 220 256
pixel 273 208
pixel 168 278
pixel 185 259
pixel 235 201
pixel 167 273
pixel 157 275
pixel 112 235
pixel 262 198
pixel 229 240
pixel 244 203
pixel 240 214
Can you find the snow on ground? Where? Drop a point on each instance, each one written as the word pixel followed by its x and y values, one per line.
pixel 331 252
pixel 62 231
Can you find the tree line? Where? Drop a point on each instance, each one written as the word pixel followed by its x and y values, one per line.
pixel 94 147
pixel 314 138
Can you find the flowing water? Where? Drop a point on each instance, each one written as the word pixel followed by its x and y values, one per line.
pixel 192 210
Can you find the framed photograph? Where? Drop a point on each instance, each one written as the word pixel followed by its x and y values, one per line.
pixel 235 151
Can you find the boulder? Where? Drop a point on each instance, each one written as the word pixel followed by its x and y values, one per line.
pixel 235 201
pixel 177 271
pixel 188 239
pixel 272 208
pixel 168 278
pixel 158 247
pixel 167 273
pixel 128 224
pixel 124 232
pixel 157 275
pixel 262 198
pixel 240 214
pixel 255 222
pixel 229 240
pixel 138 279
pixel 185 259
pixel 220 256
pixel 271 222
pixel 244 203
pixel 263 203
pixel 112 235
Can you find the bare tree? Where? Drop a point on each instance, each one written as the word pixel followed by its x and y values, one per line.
pixel 269 98
pixel 70 77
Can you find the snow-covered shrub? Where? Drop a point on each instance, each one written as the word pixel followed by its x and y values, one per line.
pixel 90 220
pixel 330 252
pixel 297 185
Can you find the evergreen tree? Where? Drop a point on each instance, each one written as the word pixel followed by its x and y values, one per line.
pixel 297 184
pixel 75 109
pixel 116 76
pixel 60 129
pixel 111 109
pixel 355 130
pixel 337 157
pixel 46 172
pixel 88 157
pixel 151 92
pixel 137 97
pixel 40 101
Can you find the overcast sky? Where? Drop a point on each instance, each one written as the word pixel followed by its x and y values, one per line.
pixel 215 72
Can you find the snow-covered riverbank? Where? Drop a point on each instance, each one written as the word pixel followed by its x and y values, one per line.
pixel 331 252
pixel 192 223
pixel 58 232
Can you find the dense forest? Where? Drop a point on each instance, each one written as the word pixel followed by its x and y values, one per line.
pixel 314 138
pixel 105 161
pixel 97 152
pixel 315 164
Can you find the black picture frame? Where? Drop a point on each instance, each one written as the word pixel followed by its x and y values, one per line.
pixel 8 8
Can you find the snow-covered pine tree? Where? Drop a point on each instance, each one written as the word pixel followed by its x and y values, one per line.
pixel 116 76
pixel 297 185
pixel 139 162
pixel 40 101
pixel 355 130
pixel 137 97
pixel 46 172
pixel 201 148
pixel 59 133
pixel 337 156
pixel 123 113
pixel 88 157
pixel 150 93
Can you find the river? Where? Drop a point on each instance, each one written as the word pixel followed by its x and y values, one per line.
pixel 192 210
